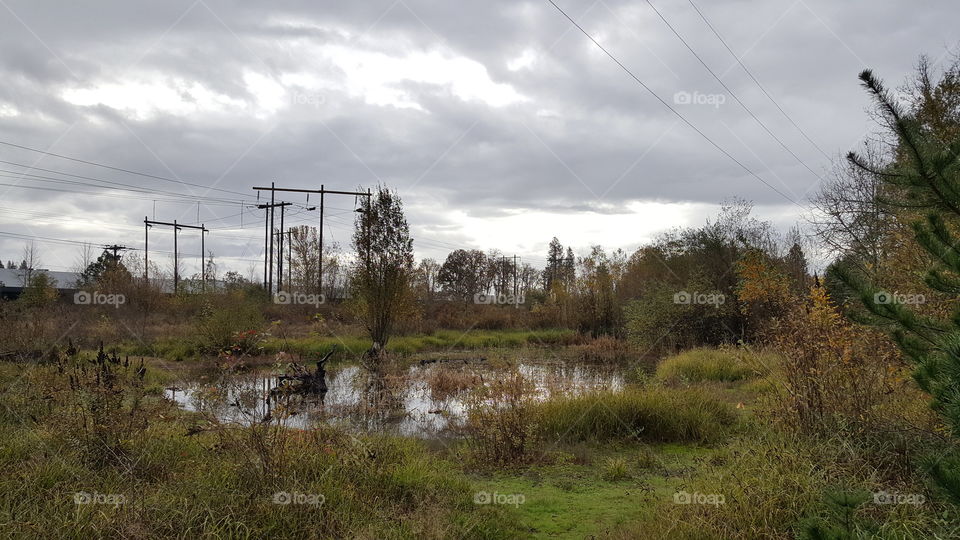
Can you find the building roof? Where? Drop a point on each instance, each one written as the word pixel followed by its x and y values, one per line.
pixel 15 278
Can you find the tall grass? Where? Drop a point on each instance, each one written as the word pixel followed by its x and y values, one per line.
pixel 439 340
pixel 182 479
pixel 718 365
pixel 653 414
pixel 774 482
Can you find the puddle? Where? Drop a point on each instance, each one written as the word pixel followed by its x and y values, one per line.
pixel 399 405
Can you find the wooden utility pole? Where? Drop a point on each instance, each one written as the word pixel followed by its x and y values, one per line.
pixel 516 300
pixel 176 253
pixel 268 235
pixel 322 191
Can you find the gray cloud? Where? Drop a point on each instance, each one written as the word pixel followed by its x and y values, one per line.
pixel 586 141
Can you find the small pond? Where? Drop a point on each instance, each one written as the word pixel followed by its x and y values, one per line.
pixel 424 401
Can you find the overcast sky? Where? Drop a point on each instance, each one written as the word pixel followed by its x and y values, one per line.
pixel 498 122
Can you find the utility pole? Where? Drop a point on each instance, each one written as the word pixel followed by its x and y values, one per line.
pixel 289 263
pixel 320 261
pixel 280 254
pixel 516 302
pixel 203 264
pixel 268 234
pixel 146 252
pixel 280 262
pixel 322 191
pixel 176 250
pixel 115 249
pixel 270 278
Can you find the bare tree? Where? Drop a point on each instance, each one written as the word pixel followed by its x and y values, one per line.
pixel 31 260
pixel 848 216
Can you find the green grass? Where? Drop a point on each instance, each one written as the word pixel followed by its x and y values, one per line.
pixel 437 341
pixel 649 414
pixel 716 365
pixel 572 499
pixel 351 346
pixel 772 483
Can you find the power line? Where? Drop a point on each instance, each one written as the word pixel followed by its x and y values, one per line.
pixel 667 105
pixel 748 72
pixel 119 169
pixel 730 91
pixel 112 182
pixel 100 194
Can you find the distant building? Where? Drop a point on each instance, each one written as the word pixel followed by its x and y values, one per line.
pixel 14 280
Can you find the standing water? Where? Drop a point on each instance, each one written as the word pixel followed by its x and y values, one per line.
pixel 411 404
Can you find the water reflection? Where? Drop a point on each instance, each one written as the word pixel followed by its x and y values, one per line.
pixel 401 404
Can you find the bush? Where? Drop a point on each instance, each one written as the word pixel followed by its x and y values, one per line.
pixel 218 327
pixel 662 415
pixel 500 425
pixel 707 364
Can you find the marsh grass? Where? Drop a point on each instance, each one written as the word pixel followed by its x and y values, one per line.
pixel 445 383
pixel 725 364
pixel 774 482
pixel 649 414
pixel 181 476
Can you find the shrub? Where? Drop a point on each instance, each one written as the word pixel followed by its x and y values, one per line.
pixel 218 327
pixel 664 415
pixel 500 424
pixel 834 373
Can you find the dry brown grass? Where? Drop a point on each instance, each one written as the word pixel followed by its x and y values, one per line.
pixel 445 382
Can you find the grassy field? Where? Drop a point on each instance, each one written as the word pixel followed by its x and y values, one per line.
pixel 605 464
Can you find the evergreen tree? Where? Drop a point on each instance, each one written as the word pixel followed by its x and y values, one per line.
pixel 925 175
pixel 107 264
pixel 554 261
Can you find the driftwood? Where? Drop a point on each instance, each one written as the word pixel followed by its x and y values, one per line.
pixel 303 380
